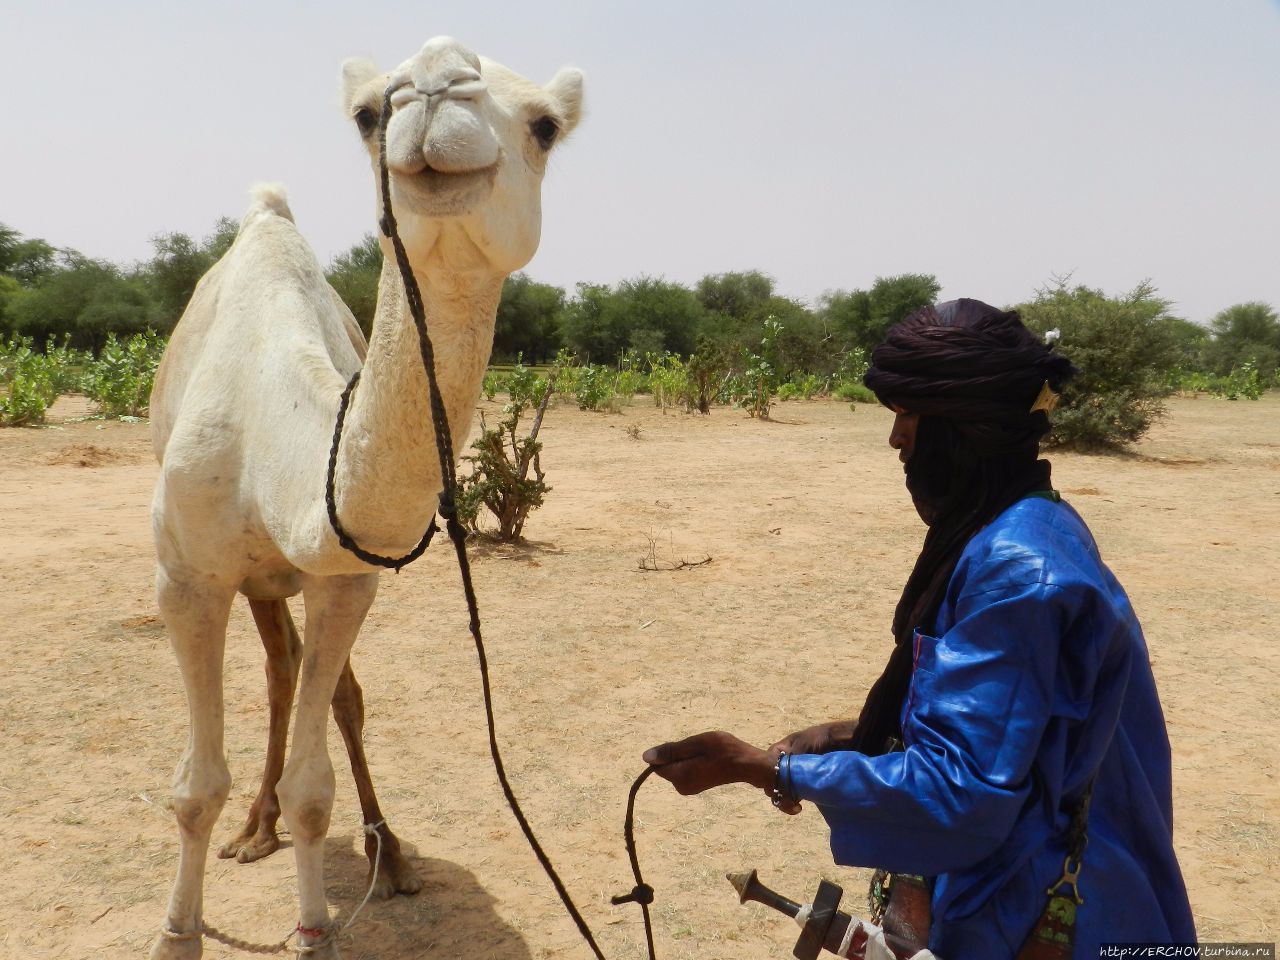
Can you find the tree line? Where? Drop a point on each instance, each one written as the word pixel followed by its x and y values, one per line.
pixel 52 293
pixel 1132 349
pixel 48 292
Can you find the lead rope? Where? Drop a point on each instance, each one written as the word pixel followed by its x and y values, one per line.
pixel 642 893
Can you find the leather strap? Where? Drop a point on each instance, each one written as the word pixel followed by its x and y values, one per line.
pixel 908 913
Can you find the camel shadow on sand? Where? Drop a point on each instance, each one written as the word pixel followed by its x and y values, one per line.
pixel 452 916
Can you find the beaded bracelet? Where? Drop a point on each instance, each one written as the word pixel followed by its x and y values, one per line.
pixel 776 795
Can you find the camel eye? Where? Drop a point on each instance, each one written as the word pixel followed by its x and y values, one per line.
pixel 544 130
pixel 366 120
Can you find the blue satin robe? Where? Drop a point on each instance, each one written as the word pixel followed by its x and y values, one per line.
pixel 1038 675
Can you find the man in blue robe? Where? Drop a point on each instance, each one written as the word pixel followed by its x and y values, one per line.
pixel 1019 693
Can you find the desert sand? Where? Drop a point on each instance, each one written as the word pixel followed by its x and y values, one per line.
pixel 809 537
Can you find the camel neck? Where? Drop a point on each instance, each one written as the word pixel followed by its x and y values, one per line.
pixel 388 472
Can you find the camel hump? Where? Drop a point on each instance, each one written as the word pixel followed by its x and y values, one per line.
pixel 269 199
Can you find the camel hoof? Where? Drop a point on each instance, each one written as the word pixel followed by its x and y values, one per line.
pixel 395 875
pixel 246 850
pixel 167 948
pixel 326 951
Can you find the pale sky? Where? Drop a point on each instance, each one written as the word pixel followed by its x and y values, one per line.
pixel 993 143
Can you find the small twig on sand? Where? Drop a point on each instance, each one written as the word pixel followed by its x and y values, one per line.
pixel 684 564
pixel 652 563
pixel 101 915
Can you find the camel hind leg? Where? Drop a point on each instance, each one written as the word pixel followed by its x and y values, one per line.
pixel 394 872
pixel 283 647
pixel 258 837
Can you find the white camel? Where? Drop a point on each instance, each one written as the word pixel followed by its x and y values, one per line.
pixel 243 416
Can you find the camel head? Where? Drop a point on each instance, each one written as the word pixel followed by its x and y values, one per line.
pixel 467 147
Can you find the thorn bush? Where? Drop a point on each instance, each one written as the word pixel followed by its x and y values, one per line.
pixel 500 480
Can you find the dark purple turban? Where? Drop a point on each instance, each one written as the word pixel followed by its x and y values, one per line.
pixel 973 364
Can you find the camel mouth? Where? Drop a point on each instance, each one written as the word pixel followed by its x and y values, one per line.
pixel 439 193
pixel 447 178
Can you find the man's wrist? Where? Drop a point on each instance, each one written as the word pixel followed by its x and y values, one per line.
pixel 841 733
pixel 781 793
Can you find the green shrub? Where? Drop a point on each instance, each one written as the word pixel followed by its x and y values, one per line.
pixel 759 381
pixel 1243 381
pixel 630 379
pixel 492 384
pixel 594 389
pixel 12 351
pixel 1182 379
pixel 1124 349
pixel 568 372
pixel 708 374
pixel 851 369
pixel 855 391
pixel 68 365
pixel 853 365
pixel 31 381
pixel 668 380
pixel 524 386
pixel 499 480
pixel 801 386
pixel 120 380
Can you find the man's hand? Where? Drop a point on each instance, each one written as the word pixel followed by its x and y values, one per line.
pixel 709 760
pixel 824 738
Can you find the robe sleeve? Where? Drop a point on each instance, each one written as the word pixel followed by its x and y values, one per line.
pixel 980 699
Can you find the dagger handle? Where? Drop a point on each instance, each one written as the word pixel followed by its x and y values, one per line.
pixel 751 889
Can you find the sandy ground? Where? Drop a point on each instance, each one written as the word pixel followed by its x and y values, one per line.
pixel 810 537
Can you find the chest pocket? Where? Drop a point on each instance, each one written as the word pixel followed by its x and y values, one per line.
pixel 974 703
pixel 923 655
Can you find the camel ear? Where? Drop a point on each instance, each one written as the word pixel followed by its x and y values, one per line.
pixel 356 73
pixel 565 89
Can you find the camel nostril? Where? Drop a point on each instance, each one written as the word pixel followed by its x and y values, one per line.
pixel 406 94
pixel 467 85
pixel 466 88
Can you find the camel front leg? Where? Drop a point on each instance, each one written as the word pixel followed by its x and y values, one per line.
pixel 196 617
pixel 336 606
pixel 258 838
pixel 394 872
